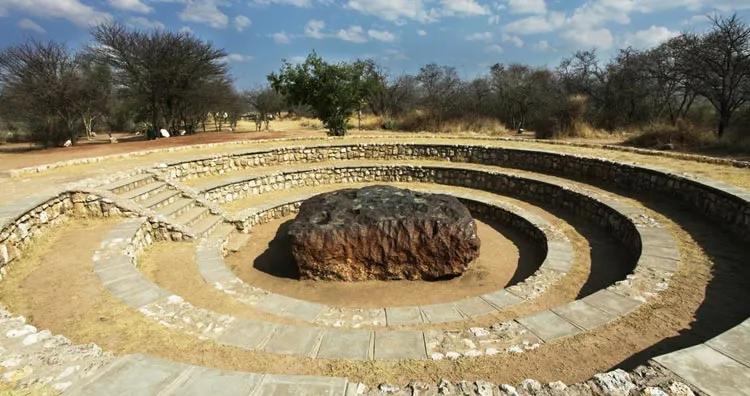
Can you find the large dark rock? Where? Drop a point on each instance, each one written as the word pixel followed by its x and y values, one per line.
pixel 383 233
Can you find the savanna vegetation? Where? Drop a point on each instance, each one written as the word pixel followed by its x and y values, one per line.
pixel 690 91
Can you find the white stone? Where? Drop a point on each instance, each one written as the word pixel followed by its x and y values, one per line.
pixel 653 391
pixel 509 390
pixel 25 330
pixel 484 388
pixel 67 372
pixel 557 385
pixel 174 299
pixel 12 362
pixel 479 332
pixel 4 257
pixel 615 383
pixel 62 386
pixel 491 351
pixel 229 198
pixel 32 339
pixel 531 385
pixel 437 356
pixel 514 349
pixel 473 353
pixel 468 343
pixel 453 355
pixel 680 389
pixel 43 217
pixel 387 388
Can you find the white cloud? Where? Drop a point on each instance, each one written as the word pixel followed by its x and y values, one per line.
pixel 297 3
pixel 587 37
pixel 484 36
pixel 494 48
pixel 650 37
pixel 527 6
pixel 422 32
pixel 535 24
pixel 314 29
pixel 392 10
pixel 494 19
pixel 394 54
pixel 28 24
pixel 381 35
pixel 462 7
pixel 237 58
pixel 515 40
pixel 145 23
pixel 542 45
pixel 281 37
pixel 186 29
pixel 72 10
pixel 131 5
pixel 204 12
pixel 354 34
pixel 241 22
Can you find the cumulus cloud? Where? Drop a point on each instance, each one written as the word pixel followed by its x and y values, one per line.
pixel 392 10
pixel 281 37
pixel 381 35
pixel 354 34
pixel 28 24
pixel 484 36
pixel 527 6
pixel 422 32
pixel 494 48
pixel 297 3
pixel 241 22
pixel 314 29
pixel 543 45
pixel 515 40
pixel 205 12
pixel 462 7
pixel 131 5
pixel 650 37
pixel 236 58
pixel 587 37
pixel 144 23
pixel 72 10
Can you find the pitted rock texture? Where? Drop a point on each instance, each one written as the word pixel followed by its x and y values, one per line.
pixel 383 233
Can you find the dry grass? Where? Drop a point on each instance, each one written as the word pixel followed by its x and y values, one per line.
pixel 684 136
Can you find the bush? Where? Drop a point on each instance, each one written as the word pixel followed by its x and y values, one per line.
pixel 388 125
pixel 681 135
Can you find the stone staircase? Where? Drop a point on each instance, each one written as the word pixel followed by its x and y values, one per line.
pixel 174 205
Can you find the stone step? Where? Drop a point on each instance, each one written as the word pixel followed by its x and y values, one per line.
pixel 193 216
pixel 145 192
pixel 124 185
pixel 162 199
pixel 205 226
pixel 178 207
pixel 237 241
pixel 223 231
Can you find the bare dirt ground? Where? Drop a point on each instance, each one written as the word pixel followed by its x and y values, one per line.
pixel 707 296
pixel 266 261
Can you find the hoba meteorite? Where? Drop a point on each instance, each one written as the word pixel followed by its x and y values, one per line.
pixel 383 233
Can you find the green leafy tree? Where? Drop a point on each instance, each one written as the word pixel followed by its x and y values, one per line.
pixel 333 91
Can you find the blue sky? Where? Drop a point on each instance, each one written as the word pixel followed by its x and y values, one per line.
pixel 402 35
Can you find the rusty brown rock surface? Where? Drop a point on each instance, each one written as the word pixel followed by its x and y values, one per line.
pixel 383 233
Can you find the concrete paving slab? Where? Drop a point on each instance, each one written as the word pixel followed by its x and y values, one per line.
pixel 287 385
pixel 666 264
pixel 611 302
pixel 223 274
pixel 557 265
pixel 111 274
pixel 134 375
pixel 548 326
pixel 294 340
pixel 346 344
pixel 708 370
pixel 734 343
pixel 502 299
pixel 213 382
pixel 583 315
pixel 475 306
pixel 398 345
pixel 143 297
pixel 439 313
pixel 399 316
pixel 304 310
pixel 660 251
pixel 275 303
pixel 129 285
pixel 248 334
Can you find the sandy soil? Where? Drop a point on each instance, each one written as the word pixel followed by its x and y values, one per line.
pixel 266 261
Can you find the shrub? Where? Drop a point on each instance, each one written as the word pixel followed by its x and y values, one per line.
pixel 664 136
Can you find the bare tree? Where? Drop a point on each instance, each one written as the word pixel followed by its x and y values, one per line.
pixel 719 64
pixel 441 86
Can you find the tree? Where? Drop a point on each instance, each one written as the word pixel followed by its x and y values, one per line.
pixel 719 64
pixel 265 101
pixel 441 86
pixel 334 91
pixel 94 90
pixel 162 70
pixel 41 86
